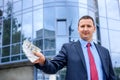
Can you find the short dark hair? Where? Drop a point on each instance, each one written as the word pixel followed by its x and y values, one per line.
pixel 86 17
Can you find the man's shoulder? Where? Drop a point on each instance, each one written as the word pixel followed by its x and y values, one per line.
pixel 71 44
pixel 101 47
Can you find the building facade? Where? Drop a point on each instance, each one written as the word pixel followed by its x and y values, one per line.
pixel 49 24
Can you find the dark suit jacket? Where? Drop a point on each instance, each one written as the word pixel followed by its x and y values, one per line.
pixel 71 56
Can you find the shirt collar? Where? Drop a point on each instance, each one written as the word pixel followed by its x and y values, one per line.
pixel 84 43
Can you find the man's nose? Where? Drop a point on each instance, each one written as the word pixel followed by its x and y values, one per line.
pixel 85 28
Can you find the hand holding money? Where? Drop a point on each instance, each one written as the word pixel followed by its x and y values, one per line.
pixel 33 52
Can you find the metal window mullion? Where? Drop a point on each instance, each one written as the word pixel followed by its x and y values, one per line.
pixel 10 40
pixel 2 34
pixel 118 1
pixel 32 22
pixel 98 24
pixel 1 38
pixel 107 27
pixel 11 33
pixel 21 30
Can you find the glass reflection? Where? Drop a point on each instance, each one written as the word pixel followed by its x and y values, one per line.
pixel 15 49
pixel 114 40
pixel 72 21
pixel 24 57
pixel 49 33
pixel 38 23
pixel 60 41
pixel 49 43
pixel 37 2
pixel 102 7
pixel 27 25
pixel 1 3
pixel 17 6
pixel 82 11
pixel 116 60
pixel 103 22
pixel 25 6
pixel 114 24
pixel 7 23
pixel 49 53
pixel 61 27
pixel 7 59
pixel 45 1
pixel 39 34
pixel 92 4
pixel 16 28
pixel 113 9
pixel 6 31
pixel 49 21
pixel 6 51
pixel 1 27
pixel 61 12
pixel 105 38
pixel 83 1
pixel 15 58
pixel 39 43
pixel 15 0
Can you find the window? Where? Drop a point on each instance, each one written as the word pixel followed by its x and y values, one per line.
pixel 61 27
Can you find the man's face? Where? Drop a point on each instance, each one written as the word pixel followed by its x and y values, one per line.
pixel 86 29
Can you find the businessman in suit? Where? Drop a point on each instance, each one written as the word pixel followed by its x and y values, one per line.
pixel 76 57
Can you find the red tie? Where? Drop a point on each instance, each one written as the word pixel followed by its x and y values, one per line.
pixel 93 70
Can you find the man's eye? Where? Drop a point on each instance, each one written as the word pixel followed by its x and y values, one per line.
pixel 82 26
pixel 88 25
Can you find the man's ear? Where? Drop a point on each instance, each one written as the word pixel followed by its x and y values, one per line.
pixel 94 28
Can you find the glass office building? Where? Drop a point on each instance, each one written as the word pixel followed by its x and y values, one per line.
pixel 50 23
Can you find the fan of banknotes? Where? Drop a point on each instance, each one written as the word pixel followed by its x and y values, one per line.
pixel 29 49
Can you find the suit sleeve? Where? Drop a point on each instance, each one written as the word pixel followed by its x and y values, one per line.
pixel 111 70
pixel 57 63
pixel 107 63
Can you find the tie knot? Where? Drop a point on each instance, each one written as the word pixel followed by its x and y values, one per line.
pixel 88 45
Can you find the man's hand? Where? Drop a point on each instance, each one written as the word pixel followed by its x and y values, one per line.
pixel 33 52
pixel 41 59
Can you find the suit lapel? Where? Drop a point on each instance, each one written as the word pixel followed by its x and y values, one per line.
pixel 102 57
pixel 100 52
pixel 80 53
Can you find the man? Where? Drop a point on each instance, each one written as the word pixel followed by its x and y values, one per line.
pixel 76 57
